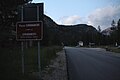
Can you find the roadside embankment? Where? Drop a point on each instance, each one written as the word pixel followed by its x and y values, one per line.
pixel 57 69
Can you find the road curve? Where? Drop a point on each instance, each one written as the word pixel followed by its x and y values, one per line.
pixel 92 64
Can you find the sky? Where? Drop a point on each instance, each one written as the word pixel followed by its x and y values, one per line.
pixel 91 12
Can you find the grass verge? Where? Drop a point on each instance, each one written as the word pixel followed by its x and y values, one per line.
pixel 10 61
pixel 114 49
pixel 111 48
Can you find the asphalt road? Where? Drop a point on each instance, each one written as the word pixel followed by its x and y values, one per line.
pixel 92 64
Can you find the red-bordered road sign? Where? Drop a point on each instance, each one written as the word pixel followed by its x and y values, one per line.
pixel 29 30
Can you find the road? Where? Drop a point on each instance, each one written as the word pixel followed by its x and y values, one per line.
pixel 92 64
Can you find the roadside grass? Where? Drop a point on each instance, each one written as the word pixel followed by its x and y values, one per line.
pixel 114 49
pixel 49 53
pixel 111 48
pixel 10 61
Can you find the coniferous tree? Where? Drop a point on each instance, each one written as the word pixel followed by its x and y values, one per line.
pixel 113 23
pixel 118 23
pixel 118 31
pixel 99 29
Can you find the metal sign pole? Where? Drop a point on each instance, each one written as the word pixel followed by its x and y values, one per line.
pixel 26 27
pixel 22 55
pixel 22 46
pixel 39 66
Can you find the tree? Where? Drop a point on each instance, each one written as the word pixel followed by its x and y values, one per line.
pixel 118 23
pixel 118 31
pixel 113 24
pixel 99 29
pixel 99 39
pixel 8 16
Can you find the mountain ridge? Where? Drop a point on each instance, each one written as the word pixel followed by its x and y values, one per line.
pixel 68 34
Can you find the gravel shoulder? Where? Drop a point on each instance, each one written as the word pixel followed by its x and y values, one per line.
pixel 57 70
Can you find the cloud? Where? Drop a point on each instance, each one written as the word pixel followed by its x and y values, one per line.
pixel 104 16
pixel 70 20
pixel 101 16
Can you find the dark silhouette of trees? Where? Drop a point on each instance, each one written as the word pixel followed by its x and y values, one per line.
pixel 114 36
pixel 99 29
pixel 113 24
pixel 118 31
pixel 118 23
pixel 8 18
pixel 99 36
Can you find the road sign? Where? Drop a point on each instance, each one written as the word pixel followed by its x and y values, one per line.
pixel 30 27
pixel 30 12
pixel 29 30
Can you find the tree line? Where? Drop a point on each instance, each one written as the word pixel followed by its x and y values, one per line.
pixel 113 37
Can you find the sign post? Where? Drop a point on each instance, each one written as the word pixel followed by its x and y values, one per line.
pixel 28 30
pixel 30 27
pixel 39 67
pixel 22 46
pixel 22 56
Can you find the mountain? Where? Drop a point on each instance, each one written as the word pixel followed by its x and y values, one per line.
pixel 68 34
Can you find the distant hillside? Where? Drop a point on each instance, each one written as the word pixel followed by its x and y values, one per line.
pixel 70 35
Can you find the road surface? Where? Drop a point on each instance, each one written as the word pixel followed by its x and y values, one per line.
pixel 92 64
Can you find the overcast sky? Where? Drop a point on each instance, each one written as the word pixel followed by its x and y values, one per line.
pixel 92 12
